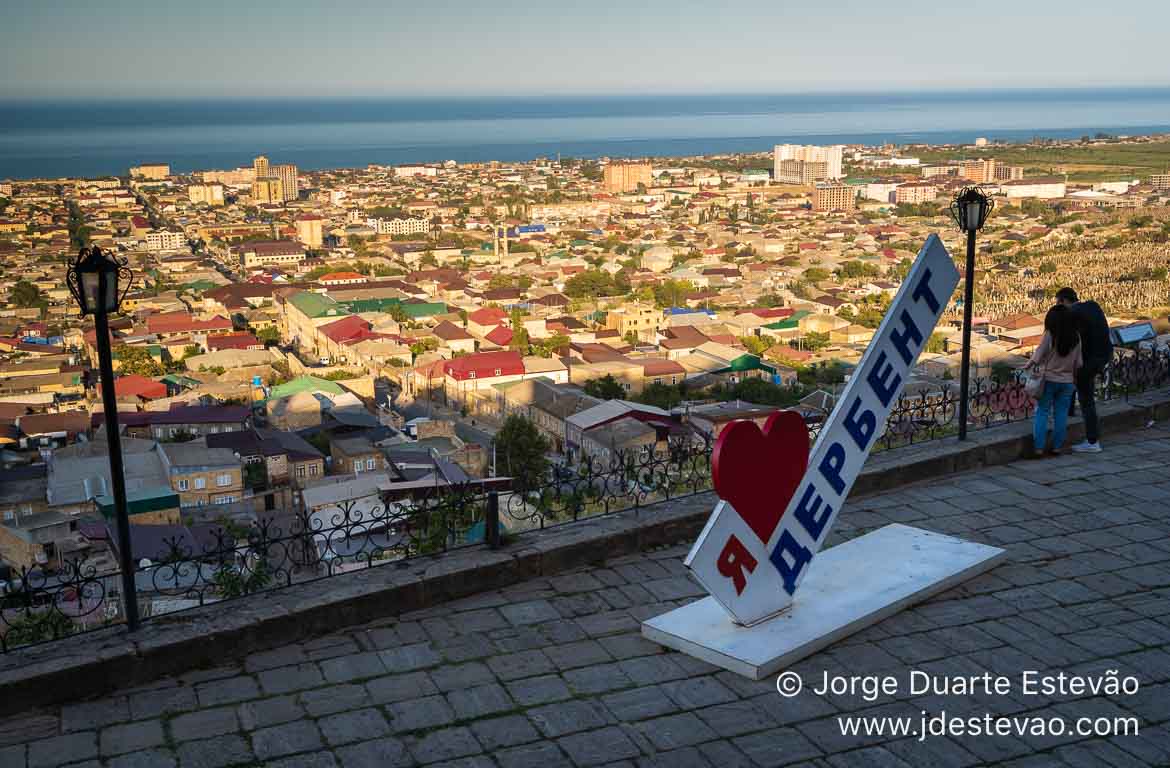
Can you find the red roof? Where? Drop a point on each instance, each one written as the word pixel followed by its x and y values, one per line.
pixel 338 276
pixel 485 365
pixel 182 322
pixel 133 385
pixel 487 316
pixel 233 341
pixel 501 335
pixel 347 329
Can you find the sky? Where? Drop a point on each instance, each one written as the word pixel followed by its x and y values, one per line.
pixel 65 49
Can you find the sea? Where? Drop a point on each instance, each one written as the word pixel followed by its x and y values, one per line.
pixel 50 139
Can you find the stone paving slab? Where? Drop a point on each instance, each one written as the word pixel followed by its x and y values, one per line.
pixel 553 671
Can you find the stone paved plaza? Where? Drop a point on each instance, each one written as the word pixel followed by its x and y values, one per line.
pixel 554 671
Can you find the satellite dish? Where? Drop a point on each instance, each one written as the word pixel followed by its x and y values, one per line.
pixel 145 563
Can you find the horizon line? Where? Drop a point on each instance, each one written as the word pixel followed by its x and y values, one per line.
pixel 563 96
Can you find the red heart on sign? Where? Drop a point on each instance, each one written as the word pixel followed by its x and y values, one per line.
pixel 757 472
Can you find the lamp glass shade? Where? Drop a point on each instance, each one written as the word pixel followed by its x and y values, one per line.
pixel 974 215
pixel 90 291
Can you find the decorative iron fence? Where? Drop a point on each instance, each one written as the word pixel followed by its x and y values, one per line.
pixel 233 561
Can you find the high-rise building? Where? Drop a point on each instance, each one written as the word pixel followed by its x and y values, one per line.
pixel 625 177
pixel 151 171
pixel 287 173
pixel 309 229
pixel 267 190
pixel 834 197
pixel 800 172
pixel 832 156
pixel 260 167
pixel 211 194
pixel 977 171
pixel 1009 172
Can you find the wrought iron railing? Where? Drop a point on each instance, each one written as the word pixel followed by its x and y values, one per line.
pixel 233 561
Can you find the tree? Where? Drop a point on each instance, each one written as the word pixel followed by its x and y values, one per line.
pixel 937 343
pixel 672 293
pixel 762 392
pixel 815 274
pixel 605 388
pixel 521 449
pixel 757 345
pixel 519 340
pixel 548 347
pixel 137 361
pixel 664 396
pixel 269 335
pixel 25 294
pixel 591 284
pixel 1047 268
pixel 814 341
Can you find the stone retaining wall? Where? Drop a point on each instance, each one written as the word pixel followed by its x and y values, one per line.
pixel 88 665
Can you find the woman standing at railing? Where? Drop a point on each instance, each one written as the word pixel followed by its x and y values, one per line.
pixel 1055 363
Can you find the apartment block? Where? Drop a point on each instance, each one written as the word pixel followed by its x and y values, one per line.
pixel 801 172
pixel 834 197
pixel 153 171
pixel 625 177
pixel 832 156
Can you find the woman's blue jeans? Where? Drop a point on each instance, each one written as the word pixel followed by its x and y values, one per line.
pixel 1055 400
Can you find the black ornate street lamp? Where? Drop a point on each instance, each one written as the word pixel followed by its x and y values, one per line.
pixel 99 281
pixel 970 209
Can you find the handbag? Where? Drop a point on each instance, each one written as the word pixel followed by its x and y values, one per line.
pixel 1034 384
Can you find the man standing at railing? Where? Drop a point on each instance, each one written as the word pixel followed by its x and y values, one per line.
pixel 1097 351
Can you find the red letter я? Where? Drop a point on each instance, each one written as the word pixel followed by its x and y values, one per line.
pixel 733 561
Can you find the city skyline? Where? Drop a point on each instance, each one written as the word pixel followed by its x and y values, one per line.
pixel 221 50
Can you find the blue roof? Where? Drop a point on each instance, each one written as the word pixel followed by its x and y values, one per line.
pixel 687 311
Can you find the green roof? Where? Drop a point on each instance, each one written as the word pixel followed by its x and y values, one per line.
pixel 140 500
pixel 424 309
pixel 747 363
pixel 315 304
pixel 784 324
pixel 304 384
pixel 199 285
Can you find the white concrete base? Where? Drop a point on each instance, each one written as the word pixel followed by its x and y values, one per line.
pixel 850 587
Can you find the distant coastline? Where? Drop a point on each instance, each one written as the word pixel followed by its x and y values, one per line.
pixel 54 139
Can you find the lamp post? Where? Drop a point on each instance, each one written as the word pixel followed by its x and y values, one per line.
pixel 970 209
pixel 93 280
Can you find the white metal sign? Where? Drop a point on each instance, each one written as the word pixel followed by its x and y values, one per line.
pixel 752 561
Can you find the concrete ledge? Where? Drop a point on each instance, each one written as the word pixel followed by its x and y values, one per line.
pixel 108 659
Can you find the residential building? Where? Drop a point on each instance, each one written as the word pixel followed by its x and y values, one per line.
pixel 267 190
pixel 1043 187
pixel 183 421
pixel 1160 182
pixel 831 156
pixel 625 177
pixel 202 475
pixel 265 253
pixel 400 226
pixel 165 240
pixel 834 197
pixel 882 191
pixel 1008 172
pixel 643 321
pixel 260 167
pixel 410 171
pixel 801 172
pixel 930 171
pixel 978 171
pixel 289 183
pixel 208 194
pixel 915 192
pixel 355 455
pixel 152 171
pixel 309 229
